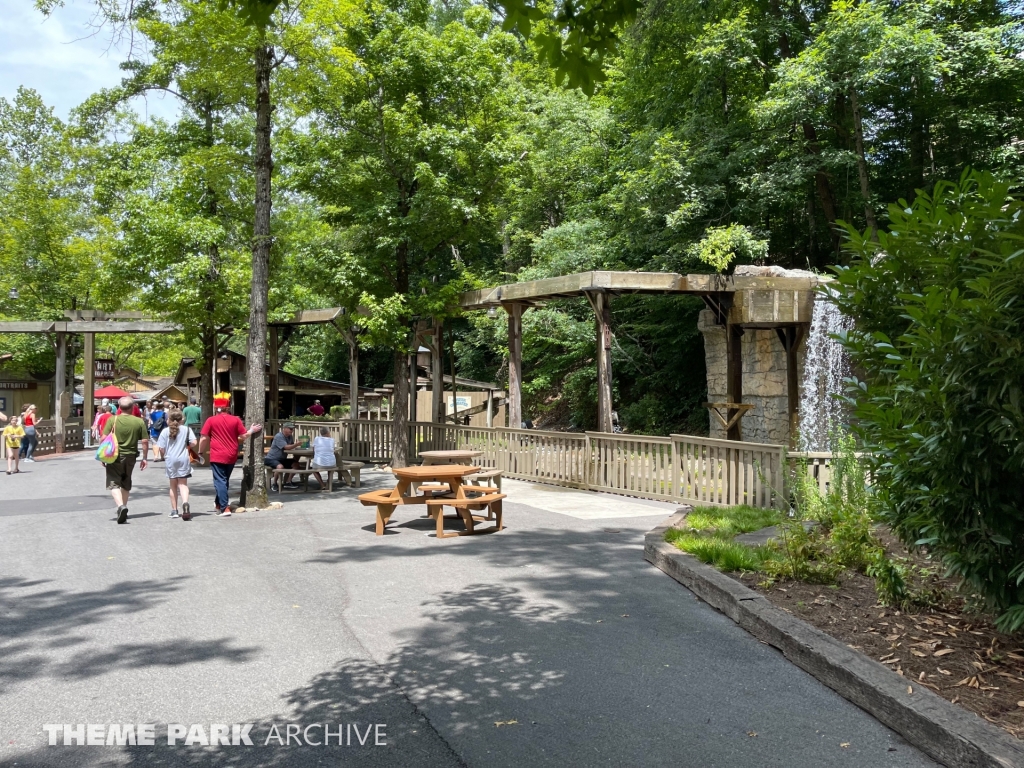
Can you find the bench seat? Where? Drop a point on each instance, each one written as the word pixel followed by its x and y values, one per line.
pixel 464 511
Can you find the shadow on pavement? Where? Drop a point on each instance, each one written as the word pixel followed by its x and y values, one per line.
pixel 39 627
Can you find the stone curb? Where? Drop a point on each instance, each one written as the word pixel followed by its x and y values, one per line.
pixel 949 734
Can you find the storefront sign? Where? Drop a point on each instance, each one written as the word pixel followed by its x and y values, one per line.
pixel 103 368
pixel 17 385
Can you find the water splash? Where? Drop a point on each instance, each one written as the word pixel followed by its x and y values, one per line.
pixel 826 364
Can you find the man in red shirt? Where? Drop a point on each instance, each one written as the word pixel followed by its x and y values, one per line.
pixel 316 409
pixel 223 433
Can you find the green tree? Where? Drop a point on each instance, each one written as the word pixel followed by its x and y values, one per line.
pixel 53 240
pixel 178 192
pixel 406 153
pixel 938 336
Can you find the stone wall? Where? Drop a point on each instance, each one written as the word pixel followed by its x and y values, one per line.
pixel 764 381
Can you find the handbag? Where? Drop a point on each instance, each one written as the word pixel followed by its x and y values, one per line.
pixel 107 451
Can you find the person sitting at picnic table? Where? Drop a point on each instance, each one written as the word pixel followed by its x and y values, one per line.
pixel 276 458
pixel 316 409
pixel 323 454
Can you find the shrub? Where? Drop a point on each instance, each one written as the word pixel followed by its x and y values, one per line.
pixel 939 339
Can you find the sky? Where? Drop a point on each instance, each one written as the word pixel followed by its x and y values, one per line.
pixel 61 57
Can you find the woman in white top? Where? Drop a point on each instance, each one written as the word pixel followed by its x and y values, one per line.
pixel 323 454
pixel 175 441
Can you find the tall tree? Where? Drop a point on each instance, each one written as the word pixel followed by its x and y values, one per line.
pixel 406 152
pixel 178 191
pixel 53 240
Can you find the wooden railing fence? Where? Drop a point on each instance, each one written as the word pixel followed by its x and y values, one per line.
pixel 683 468
pixel 46 436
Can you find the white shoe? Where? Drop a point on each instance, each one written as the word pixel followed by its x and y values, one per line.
pixel 174 513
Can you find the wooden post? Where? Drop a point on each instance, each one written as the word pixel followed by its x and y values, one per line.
pixel 275 385
pixel 515 364
pixel 353 374
pixel 438 410
pixel 413 377
pixel 89 380
pixel 791 336
pixel 734 373
pixel 60 390
pixel 490 408
pixel 603 310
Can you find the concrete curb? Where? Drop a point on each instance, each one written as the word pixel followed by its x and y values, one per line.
pixel 949 734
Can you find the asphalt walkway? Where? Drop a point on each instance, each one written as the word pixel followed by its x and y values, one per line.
pixel 550 644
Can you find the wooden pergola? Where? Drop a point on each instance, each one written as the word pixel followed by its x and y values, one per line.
pixel 88 323
pixel 783 303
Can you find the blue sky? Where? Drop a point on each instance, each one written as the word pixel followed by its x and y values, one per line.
pixel 61 57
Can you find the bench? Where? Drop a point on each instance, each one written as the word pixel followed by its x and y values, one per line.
pixel 277 475
pixel 352 470
pixel 463 509
pixel 491 475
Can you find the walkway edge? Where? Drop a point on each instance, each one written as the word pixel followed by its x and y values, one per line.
pixel 949 734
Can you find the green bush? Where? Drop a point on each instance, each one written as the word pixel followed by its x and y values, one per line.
pixel 939 342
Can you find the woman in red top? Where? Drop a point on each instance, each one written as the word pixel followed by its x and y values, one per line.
pixel 28 442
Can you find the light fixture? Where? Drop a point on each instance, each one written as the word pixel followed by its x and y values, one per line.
pixel 13 294
pixel 492 311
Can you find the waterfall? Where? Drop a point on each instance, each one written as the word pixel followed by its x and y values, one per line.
pixel 826 364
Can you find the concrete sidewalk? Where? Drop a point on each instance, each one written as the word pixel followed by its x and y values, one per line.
pixel 551 643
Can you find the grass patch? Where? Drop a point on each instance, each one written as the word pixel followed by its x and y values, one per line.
pixel 709 532
pixel 727 522
pixel 721 553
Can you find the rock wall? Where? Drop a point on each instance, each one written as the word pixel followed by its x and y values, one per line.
pixel 764 381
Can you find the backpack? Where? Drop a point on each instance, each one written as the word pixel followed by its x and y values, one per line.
pixel 160 423
pixel 107 451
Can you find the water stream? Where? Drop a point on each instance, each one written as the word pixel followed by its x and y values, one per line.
pixel 826 364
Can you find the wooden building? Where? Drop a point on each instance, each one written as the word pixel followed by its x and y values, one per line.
pixel 295 393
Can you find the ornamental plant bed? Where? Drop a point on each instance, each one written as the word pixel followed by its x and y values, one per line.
pixel 946 646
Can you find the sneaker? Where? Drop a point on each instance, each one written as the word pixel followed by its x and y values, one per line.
pixel 225 513
pixel 186 511
pixel 122 515
pixel 273 487
pixel 174 513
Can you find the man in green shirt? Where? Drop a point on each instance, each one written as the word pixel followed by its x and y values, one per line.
pixel 129 431
pixel 193 415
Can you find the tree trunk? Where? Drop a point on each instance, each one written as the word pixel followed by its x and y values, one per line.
pixel 400 420
pixel 400 416
pixel 862 165
pixel 208 367
pixel 256 360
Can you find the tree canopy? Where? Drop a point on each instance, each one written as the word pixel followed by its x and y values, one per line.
pixel 418 148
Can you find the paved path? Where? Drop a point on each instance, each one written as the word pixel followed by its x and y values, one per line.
pixel 551 644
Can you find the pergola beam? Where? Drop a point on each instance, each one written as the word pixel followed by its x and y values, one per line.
pixel 89 326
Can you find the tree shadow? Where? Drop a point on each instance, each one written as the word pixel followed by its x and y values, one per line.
pixel 39 627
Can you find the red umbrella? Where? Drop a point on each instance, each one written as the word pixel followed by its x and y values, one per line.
pixel 111 393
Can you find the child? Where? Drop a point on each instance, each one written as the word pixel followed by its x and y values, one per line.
pixel 13 433
pixel 323 454
pixel 175 440
pixel 157 424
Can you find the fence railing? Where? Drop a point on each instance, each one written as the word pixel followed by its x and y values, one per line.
pixel 683 468
pixel 46 438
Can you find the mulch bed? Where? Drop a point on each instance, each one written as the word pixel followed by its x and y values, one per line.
pixel 947 647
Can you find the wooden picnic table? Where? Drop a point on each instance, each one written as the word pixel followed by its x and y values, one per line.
pixel 449 457
pixel 450 491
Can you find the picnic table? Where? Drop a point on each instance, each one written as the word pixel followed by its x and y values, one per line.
pixel 447 488
pixel 349 468
pixel 449 457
